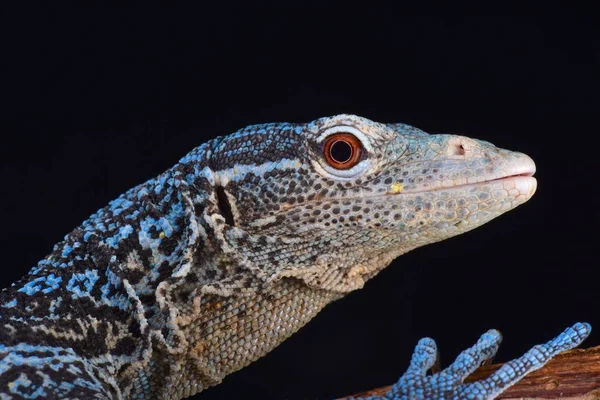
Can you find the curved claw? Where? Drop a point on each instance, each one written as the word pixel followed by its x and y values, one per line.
pixel 448 384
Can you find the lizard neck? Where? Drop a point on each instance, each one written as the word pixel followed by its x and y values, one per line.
pixel 224 334
pixel 96 293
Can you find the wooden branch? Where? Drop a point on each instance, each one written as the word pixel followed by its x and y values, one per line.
pixel 573 375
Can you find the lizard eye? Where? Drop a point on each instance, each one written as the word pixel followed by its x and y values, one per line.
pixel 342 150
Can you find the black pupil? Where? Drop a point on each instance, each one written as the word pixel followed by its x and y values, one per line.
pixel 341 151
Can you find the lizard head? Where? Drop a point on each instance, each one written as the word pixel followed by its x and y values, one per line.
pixel 334 201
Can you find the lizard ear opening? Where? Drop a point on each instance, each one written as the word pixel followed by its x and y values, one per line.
pixel 224 206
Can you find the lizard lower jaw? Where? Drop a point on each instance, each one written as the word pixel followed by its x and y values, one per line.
pixel 525 184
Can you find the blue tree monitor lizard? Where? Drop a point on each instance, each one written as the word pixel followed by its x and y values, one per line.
pixel 200 271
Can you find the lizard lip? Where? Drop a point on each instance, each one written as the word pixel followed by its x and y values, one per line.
pixel 524 181
pixel 525 174
pixel 520 174
pixel 521 171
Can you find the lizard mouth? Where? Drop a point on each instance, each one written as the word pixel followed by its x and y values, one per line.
pixel 524 183
pixel 518 176
pixel 520 181
pixel 525 174
pixel 506 178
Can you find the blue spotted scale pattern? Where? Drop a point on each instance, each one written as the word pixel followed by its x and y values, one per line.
pixel 449 383
pixel 196 273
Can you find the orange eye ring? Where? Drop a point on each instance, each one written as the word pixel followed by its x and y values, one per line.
pixel 342 150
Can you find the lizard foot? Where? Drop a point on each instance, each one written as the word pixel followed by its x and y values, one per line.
pixel 448 384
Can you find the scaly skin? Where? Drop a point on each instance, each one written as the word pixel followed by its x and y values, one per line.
pixel 204 269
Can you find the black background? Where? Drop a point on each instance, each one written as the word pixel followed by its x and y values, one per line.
pixel 97 100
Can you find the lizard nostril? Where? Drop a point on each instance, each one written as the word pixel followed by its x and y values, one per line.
pixel 456 150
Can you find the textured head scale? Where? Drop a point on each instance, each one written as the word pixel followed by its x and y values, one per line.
pixel 291 213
